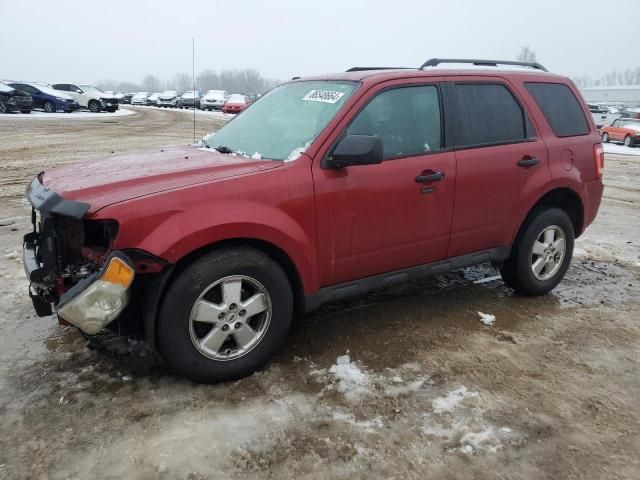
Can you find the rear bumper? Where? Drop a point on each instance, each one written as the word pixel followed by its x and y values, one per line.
pixel 592 198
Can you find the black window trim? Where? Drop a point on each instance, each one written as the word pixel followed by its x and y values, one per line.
pixel 454 114
pixel 586 119
pixel 443 137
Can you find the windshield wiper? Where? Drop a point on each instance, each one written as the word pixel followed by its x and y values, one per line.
pixel 223 149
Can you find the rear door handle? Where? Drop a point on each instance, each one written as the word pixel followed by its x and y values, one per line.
pixel 433 177
pixel 528 162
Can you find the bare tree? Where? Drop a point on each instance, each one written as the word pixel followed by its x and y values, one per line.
pixel 526 55
pixel 182 82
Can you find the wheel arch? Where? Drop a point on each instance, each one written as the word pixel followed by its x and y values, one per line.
pixel 564 198
pixel 152 302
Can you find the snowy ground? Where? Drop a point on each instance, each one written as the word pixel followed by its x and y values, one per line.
pixel 452 377
pixel 620 149
pixel 77 115
pixel 199 113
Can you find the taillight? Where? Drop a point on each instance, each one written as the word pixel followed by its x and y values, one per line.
pixel 598 158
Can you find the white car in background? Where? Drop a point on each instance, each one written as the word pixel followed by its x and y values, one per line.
pixel 140 98
pixel 153 99
pixel 89 96
pixel 168 98
pixel 214 100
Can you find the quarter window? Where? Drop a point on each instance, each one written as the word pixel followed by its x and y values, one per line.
pixel 560 107
pixel 488 115
pixel 406 119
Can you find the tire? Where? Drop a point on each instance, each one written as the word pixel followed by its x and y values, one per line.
pixel 518 270
pixel 605 137
pixel 3 108
pixel 178 334
pixel 627 141
pixel 94 106
pixel 49 107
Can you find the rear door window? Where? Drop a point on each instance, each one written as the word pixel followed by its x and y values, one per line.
pixel 406 119
pixel 560 107
pixel 488 114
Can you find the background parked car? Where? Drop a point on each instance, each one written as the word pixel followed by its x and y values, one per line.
pixel 12 100
pixel 47 98
pixel 602 115
pixel 89 96
pixel 626 130
pixel 126 98
pixel 140 98
pixel 168 98
pixel 631 112
pixel 153 98
pixel 214 100
pixel 235 104
pixel 189 99
pixel 251 97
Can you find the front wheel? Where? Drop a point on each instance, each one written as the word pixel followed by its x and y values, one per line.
pixel 224 315
pixel 49 107
pixel 627 141
pixel 3 108
pixel 541 254
pixel 94 106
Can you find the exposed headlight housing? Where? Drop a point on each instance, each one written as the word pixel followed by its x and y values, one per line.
pixel 103 300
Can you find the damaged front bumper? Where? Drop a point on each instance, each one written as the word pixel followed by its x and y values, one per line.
pixel 92 303
pixel 92 294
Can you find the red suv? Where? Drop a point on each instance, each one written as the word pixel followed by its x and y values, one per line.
pixel 324 189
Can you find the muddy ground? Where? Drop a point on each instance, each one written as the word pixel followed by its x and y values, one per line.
pixel 552 390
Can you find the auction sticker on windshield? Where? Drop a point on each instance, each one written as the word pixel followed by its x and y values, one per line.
pixel 325 96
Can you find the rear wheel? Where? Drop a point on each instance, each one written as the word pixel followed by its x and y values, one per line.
pixel 3 108
pixel 49 107
pixel 224 315
pixel 94 106
pixel 542 253
pixel 605 137
pixel 627 141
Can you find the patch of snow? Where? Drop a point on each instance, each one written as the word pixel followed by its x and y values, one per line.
pixel 77 115
pixel 487 318
pixel 366 425
pixel 350 379
pixel 488 279
pixel 449 402
pixel 620 150
pixel 256 156
pixel 401 390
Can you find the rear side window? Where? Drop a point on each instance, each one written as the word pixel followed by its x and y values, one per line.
pixel 560 107
pixel 488 115
pixel 406 119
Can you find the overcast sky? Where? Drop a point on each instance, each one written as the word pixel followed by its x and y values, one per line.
pixel 87 41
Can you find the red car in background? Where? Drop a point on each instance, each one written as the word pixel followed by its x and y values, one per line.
pixel 236 103
pixel 626 130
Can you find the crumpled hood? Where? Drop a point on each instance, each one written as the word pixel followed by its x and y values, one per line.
pixel 119 178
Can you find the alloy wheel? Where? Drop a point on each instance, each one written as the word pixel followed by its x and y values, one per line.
pixel 548 252
pixel 230 317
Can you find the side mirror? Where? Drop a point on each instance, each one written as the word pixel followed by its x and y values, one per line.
pixel 355 150
pixel 78 90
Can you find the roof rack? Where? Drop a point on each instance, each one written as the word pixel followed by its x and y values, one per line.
pixel 364 69
pixel 433 62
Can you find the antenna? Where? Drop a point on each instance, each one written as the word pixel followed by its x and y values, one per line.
pixel 193 79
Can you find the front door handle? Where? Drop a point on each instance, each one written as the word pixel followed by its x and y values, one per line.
pixel 528 162
pixel 433 177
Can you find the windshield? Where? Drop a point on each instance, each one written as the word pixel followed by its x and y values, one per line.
pixel 285 121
